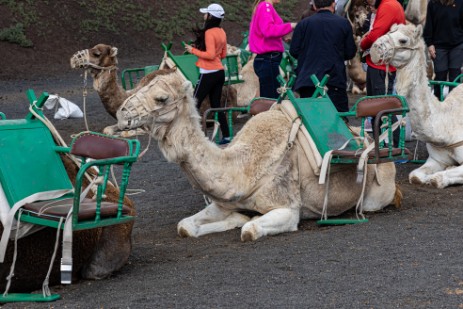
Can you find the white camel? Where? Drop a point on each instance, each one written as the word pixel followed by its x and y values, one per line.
pixel 258 171
pixel 436 123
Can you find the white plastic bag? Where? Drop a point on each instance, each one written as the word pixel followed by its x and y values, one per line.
pixel 64 108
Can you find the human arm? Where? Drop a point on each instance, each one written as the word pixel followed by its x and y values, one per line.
pixel 349 45
pixel 268 24
pixel 381 26
pixel 210 52
pixel 296 41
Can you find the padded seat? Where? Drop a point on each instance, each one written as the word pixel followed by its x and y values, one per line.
pixel 54 210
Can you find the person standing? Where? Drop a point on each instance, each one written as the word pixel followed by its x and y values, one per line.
pixel 388 13
pixel 443 34
pixel 321 44
pixel 211 47
pixel 266 33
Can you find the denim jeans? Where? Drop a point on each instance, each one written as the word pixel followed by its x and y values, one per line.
pixel 267 68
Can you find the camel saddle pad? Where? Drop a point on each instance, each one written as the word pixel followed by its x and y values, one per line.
pixel 60 208
pixel 303 137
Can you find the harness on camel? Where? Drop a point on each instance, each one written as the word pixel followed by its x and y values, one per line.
pixel 328 140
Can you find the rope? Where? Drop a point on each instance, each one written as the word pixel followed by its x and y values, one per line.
pixel 84 97
pixel 45 285
pixel 15 255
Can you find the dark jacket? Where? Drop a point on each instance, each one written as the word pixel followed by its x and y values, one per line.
pixel 321 43
pixel 444 25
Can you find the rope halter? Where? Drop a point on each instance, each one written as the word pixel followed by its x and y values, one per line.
pixel 139 108
pixel 81 59
pixel 386 48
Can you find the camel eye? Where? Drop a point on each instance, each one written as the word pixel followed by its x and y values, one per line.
pixel 162 100
pixel 96 53
pixel 403 41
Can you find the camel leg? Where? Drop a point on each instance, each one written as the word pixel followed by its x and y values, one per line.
pixel 274 222
pixel 111 253
pixel 211 219
pixel 450 176
pixel 423 174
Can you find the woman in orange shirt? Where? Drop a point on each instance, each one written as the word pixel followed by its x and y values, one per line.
pixel 211 47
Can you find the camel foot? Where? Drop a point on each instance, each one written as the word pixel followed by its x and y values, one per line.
pixel 251 232
pixel 415 180
pixel 437 181
pixel 186 229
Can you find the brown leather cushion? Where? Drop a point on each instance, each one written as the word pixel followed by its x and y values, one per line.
pixel 383 153
pixel 60 208
pixel 260 105
pixel 372 106
pixel 99 147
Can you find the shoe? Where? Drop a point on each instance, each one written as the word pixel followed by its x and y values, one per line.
pixel 401 161
pixel 224 141
pixel 243 115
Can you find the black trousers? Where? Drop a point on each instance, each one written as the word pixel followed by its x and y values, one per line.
pixel 376 85
pixel 211 84
pixel 337 95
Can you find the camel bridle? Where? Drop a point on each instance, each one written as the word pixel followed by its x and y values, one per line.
pixel 81 59
pixel 387 54
pixel 136 110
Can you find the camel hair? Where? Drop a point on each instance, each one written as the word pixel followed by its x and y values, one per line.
pixel 435 123
pixel 257 172
pixel 97 252
pixel 101 61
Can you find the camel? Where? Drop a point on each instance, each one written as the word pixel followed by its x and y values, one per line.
pixel 433 122
pixel 249 89
pixel 101 61
pixel 259 171
pixel 97 253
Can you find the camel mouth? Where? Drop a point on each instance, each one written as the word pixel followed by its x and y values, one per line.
pixel 380 52
pixel 80 59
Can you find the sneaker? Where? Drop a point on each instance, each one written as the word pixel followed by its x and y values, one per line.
pixel 224 141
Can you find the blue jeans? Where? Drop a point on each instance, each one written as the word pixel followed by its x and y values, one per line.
pixel 267 68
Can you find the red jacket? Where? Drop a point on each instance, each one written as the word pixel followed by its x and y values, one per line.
pixel 389 12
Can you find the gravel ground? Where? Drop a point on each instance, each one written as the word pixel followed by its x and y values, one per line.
pixel 402 258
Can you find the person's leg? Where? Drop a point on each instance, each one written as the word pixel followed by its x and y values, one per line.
pixel 217 80
pixel 455 62
pixel 339 98
pixel 267 70
pixel 441 69
pixel 306 92
pixel 202 89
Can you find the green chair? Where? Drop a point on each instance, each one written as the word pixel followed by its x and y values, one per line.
pixel 39 191
pixel 130 77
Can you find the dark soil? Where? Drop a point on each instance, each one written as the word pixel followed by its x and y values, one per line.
pixel 408 257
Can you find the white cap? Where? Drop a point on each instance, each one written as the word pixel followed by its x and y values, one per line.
pixel 214 9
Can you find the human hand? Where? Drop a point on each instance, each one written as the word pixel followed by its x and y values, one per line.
pixel 287 38
pixel 188 48
pixel 432 51
pixel 293 25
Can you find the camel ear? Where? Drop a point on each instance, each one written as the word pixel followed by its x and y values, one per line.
pixel 394 27
pixel 418 31
pixel 187 87
pixel 113 52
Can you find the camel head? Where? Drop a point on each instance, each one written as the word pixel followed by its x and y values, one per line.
pixel 98 58
pixel 399 46
pixel 157 105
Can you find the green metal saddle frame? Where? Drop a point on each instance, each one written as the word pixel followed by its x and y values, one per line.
pixel 330 132
pixel 30 163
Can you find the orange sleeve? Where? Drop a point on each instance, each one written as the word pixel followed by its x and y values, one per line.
pixel 210 48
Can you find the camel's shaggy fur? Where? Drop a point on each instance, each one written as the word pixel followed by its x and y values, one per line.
pixel 256 172
pixel 436 123
pixel 97 253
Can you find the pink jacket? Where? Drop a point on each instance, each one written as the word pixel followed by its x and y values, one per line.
pixel 267 30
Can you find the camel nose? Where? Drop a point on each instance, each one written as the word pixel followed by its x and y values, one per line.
pixel 377 53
